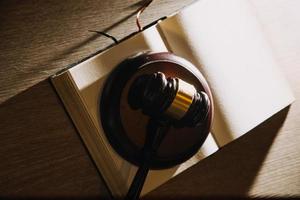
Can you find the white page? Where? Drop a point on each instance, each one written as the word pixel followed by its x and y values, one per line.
pixel 225 41
pixel 89 78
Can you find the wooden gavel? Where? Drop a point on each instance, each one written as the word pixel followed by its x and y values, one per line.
pixel 168 102
pixel 156 111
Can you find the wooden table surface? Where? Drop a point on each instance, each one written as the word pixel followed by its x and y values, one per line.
pixel 42 155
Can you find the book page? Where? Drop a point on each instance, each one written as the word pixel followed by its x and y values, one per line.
pixel 225 41
pixel 89 78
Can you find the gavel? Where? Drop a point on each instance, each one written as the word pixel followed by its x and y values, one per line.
pixel 168 102
pixel 156 111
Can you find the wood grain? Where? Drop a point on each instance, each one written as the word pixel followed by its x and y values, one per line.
pixel 41 153
pixel 38 38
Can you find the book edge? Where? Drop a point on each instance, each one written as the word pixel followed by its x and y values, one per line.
pixel 90 139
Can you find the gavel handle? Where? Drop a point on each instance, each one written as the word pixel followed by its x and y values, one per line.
pixel 156 131
pixel 137 183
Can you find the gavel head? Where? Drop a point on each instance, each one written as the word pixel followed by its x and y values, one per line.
pixel 161 97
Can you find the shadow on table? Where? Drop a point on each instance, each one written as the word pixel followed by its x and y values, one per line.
pixel 229 172
pixel 136 6
pixel 44 156
pixel 40 151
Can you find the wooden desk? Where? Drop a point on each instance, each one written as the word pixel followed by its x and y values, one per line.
pixel 40 151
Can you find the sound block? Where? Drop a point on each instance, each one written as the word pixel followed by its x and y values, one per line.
pixel 125 128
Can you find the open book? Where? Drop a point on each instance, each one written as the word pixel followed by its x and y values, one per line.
pixel 224 41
